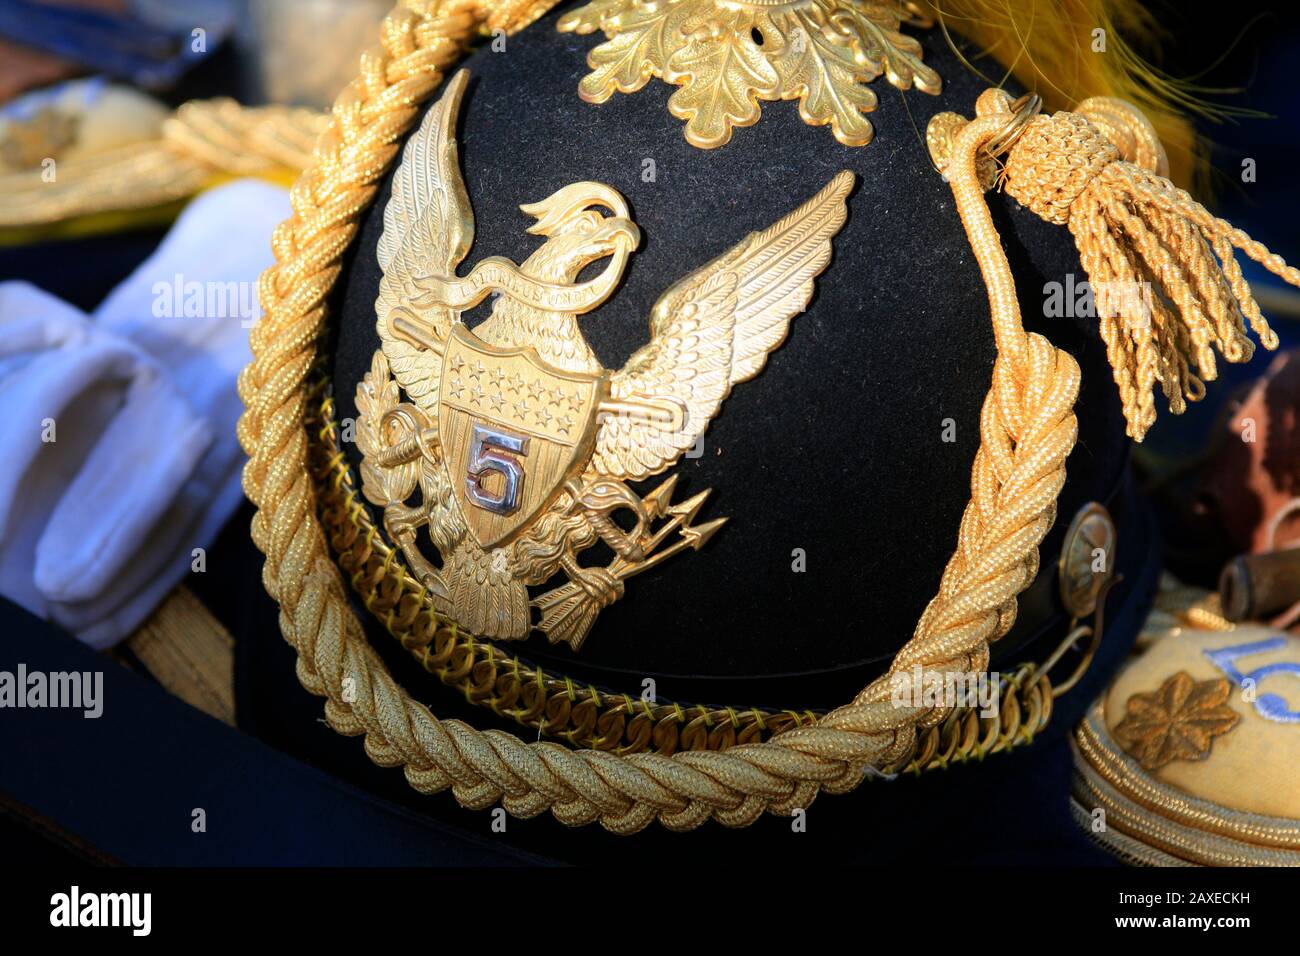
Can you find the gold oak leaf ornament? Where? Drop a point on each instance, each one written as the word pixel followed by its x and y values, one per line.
pixel 1177 722
pixel 728 55
pixel 520 443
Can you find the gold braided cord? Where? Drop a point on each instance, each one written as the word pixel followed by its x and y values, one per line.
pixel 204 141
pixel 243 140
pixel 105 183
pixel 580 713
pixel 1027 429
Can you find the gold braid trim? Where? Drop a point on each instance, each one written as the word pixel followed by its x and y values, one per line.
pixel 1027 429
pixel 243 140
pixel 202 141
pixel 579 713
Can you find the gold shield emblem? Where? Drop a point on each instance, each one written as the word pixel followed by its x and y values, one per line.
pixel 514 429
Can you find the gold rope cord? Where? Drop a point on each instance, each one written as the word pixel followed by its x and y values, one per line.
pixel 1027 429
pixel 580 713
pixel 204 140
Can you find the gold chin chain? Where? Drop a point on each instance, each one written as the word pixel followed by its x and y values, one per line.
pixel 1027 429
pixel 584 715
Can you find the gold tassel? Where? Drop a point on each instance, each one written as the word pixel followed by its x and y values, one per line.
pixel 1165 280
pixel 1049 49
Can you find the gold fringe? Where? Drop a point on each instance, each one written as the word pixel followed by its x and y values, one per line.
pixel 1166 284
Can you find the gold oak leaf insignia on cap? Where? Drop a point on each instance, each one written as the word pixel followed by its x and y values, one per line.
pixel 1177 722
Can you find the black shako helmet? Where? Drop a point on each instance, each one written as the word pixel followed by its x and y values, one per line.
pixel 542 347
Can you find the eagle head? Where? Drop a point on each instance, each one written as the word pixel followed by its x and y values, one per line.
pixel 577 230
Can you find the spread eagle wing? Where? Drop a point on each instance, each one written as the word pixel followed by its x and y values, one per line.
pixel 714 329
pixel 428 229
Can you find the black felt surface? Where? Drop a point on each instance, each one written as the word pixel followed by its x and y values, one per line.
pixel 835 448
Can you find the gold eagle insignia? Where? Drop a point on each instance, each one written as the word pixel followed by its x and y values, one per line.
pixel 521 444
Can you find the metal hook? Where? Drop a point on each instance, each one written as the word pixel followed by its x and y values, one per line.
pixel 1078 631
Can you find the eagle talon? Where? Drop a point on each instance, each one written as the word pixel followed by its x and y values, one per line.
pixel 404 522
pixel 601 584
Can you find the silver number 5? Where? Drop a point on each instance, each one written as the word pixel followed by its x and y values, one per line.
pixel 492 452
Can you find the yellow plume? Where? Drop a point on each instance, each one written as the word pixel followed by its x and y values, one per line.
pixel 1048 46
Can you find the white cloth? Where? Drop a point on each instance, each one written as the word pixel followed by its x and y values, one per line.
pixel 99 524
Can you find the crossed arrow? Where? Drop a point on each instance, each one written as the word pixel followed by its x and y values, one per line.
pixel 569 611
